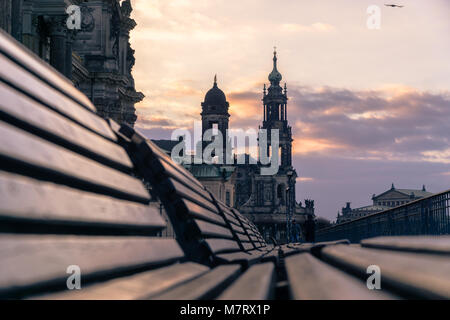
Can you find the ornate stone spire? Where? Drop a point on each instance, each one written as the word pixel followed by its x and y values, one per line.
pixel 275 76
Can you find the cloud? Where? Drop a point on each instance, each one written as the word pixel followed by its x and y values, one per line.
pixel 396 123
pixel 407 125
pixel 149 122
pixel 314 27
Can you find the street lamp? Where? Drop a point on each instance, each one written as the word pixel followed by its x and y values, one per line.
pixel 289 201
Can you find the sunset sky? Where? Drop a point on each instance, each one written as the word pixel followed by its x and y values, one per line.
pixel 367 107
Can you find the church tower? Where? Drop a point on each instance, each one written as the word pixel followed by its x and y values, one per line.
pixel 215 113
pixel 275 114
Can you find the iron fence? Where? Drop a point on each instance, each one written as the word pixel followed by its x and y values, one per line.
pixel 427 216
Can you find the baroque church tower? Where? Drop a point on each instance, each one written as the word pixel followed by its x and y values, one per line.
pixel 215 114
pixel 275 115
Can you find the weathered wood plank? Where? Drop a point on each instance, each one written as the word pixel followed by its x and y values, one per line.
pixel 257 283
pixel 32 116
pixel 172 169
pixel 200 212
pixel 416 274
pixel 24 57
pixel 136 287
pixel 48 96
pixel 288 251
pixel 312 279
pixel 163 161
pixel 207 286
pixel 244 258
pixel 247 246
pixel 161 170
pixel 212 230
pixel 26 201
pixel 221 245
pixel 271 255
pixel 242 237
pixel 49 160
pixel 189 194
pixel 40 261
pixel 237 229
pixel 425 244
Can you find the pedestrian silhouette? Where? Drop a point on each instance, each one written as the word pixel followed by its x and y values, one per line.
pixel 310 229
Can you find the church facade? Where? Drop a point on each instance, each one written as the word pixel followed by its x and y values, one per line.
pixel 267 200
pixel 97 58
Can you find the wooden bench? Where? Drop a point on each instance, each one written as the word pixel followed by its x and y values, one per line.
pixel 72 194
pixel 209 231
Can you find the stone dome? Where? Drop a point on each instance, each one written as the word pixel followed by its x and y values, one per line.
pixel 215 100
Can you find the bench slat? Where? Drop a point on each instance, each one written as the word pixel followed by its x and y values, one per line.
pixel 167 161
pixel 177 173
pixel 425 244
pixel 312 279
pixel 222 245
pixel 21 55
pixel 136 287
pixel 237 229
pixel 207 286
pixel 257 283
pixel 35 88
pixel 32 115
pixel 247 246
pixel 27 201
pixel 174 175
pixel 245 258
pixel 421 275
pixel 48 159
pixel 200 212
pixel 271 255
pixel 42 260
pixel 212 230
pixel 184 191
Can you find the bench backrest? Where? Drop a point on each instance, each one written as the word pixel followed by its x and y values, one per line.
pixel 71 190
pixel 205 227
pixel 68 196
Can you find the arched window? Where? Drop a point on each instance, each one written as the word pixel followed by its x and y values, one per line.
pixel 280 193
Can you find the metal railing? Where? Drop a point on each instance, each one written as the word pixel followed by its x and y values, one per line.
pixel 427 216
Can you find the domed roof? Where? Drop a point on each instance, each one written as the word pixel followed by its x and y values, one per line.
pixel 275 76
pixel 216 98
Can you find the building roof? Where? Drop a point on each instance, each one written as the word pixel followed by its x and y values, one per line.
pixel 407 192
pixel 215 100
pixel 417 193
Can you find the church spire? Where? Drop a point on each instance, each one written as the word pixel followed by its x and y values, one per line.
pixel 275 58
pixel 215 80
pixel 275 76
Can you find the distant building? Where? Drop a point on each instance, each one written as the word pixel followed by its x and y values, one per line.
pixel 264 199
pixel 385 200
pixel 395 197
pixel 98 58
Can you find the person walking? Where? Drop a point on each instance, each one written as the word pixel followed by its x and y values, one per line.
pixel 310 229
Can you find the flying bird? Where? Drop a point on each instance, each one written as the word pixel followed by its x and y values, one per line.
pixel 393 5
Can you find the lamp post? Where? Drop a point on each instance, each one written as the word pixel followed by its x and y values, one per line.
pixel 287 214
pixel 289 203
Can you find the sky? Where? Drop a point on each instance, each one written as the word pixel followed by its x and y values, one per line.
pixel 368 107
